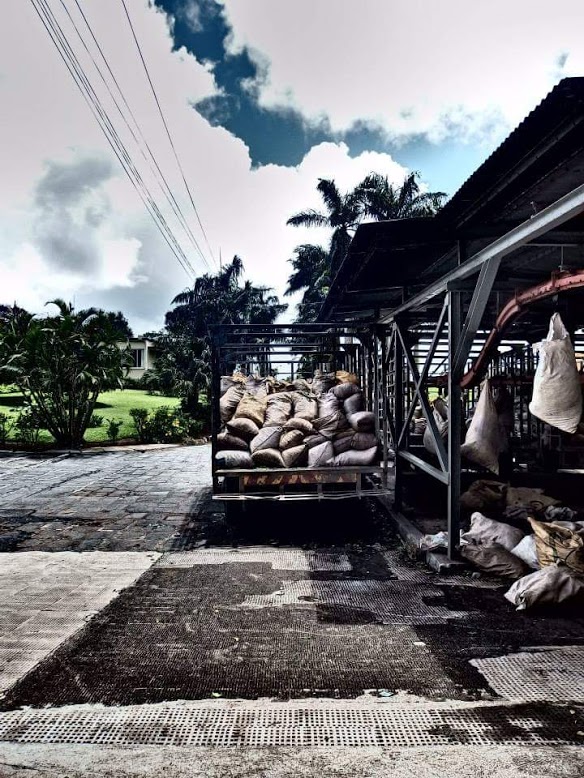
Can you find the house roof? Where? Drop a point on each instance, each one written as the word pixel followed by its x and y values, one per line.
pixel 540 161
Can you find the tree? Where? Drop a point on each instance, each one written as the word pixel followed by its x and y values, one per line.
pixel 380 200
pixel 116 318
pixel 61 364
pixel 311 272
pixel 219 298
pixel 343 213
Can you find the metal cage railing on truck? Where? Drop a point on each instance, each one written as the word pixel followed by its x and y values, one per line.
pixel 295 351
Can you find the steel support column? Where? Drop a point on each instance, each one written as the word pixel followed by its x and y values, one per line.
pixel 398 414
pixel 455 422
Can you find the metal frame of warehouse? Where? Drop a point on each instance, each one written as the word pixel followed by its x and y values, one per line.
pixel 435 286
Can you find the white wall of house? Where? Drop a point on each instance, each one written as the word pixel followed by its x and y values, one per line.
pixel 144 355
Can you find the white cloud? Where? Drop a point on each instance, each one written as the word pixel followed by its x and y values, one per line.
pixel 70 223
pixel 448 68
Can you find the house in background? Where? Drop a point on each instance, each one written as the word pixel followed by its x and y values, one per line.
pixel 144 353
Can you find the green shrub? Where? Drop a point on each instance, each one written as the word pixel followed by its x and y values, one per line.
pixel 5 426
pixel 28 427
pixel 113 429
pixel 95 421
pixel 164 425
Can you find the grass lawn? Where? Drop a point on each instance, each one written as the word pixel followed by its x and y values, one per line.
pixel 110 405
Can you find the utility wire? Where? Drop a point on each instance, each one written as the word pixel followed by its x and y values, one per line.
pixel 58 38
pixel 156 169
pixel 166 128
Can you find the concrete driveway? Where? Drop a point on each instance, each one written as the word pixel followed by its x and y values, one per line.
pixel 136 619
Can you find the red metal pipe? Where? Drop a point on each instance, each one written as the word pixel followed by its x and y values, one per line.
pixel 561 281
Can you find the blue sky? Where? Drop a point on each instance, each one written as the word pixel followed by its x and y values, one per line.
pixel 262 98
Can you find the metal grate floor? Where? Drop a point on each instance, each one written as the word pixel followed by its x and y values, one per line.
pixel 554 674
pixel 276 724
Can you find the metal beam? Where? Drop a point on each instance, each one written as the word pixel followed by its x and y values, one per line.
pixel 559 212
pixel 454 424
pixel 426 467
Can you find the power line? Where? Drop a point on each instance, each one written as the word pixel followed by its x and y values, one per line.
pixel 76 71
pixel 166 128
pixel 161 178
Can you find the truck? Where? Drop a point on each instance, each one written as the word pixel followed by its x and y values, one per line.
pixel 289 352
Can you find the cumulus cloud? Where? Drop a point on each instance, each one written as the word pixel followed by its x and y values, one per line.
pixel 442 69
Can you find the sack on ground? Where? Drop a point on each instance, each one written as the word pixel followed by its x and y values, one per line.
pixel 267 457
pixel 559 542
pixel 231 460
pixel 557 395
pixel 267 437
pixel 251 407
pixel 548 586
pixel 495 560
pixel 230 401
pixel 485 438
pixel 319 455
pixel 484 496
pixel 354 458
pixel 530 497
pixel 487 532
pixel 363 421
pixel 295 457
pixel 527 551
pixel 228 442
pixel 243 428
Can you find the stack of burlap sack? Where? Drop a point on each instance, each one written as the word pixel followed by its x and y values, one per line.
pixel 538 542
pixel 274 424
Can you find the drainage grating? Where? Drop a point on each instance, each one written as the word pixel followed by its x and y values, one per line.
pixel 286 725
pixel 554 674
pixel 391 602
pixel 279 559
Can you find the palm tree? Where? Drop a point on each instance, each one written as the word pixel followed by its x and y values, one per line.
pixel 380 200
pixel 343 213
pixel 311 272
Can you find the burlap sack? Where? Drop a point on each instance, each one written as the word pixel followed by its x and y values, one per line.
pixel 302 385
pixel 267 457
pixel 354 403
pixel 354 458
pixel 559 542
pixel 230 401
pixel 290 439
pixel 343 441
pixel 344 377
pixel 314 440
pixel 531 497
pixel 243 428
pixel 267 437
pixel 305 407
pixel 487 532
pixel 328 404
pixel 295 457
pixel 320 455
pixel 296 423
pixel 256 386
pixel 363 421
pixel 484 496
pixel 527 551
pixel 331 424
pixel 279 409
pixel 548 586
pixel 344 391
pixel 228 442
pixel 495 560
pixel 322 382
pixel 251 407
pixel 485 438
pixel 233 460
pixel 363 441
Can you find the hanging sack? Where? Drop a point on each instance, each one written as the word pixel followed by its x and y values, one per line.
pixel 557 396
pixel 485 438
pixel 440 413
pixel 559 541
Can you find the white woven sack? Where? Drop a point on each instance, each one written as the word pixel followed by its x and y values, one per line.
pixel 557 397
pixel 440 413
pixel 548 586
pixel 485 438
pixel 525 550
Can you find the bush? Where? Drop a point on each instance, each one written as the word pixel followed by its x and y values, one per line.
pixel 28 427
pixel 164 425
pixel 5 426
pixel 132 383
pixel 113 429
pixel 95 421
